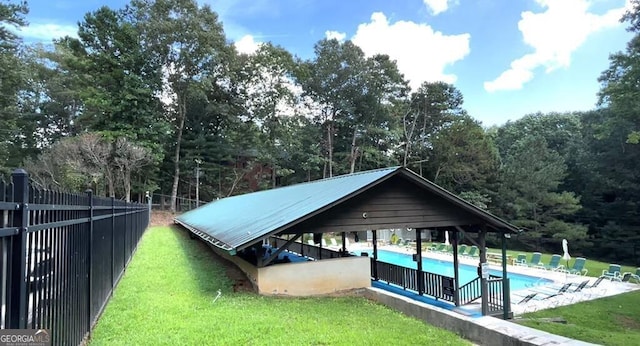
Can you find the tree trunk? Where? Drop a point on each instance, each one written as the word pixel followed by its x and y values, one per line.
pixel 182 113
pixel 330 144
pixel 354 151
pixel 408 136
pixel 127 186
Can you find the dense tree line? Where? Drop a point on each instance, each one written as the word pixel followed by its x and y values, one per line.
pixel 147 93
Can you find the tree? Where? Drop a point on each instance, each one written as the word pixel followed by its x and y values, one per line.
pixel 463 157
pixel 620 90
pixel 429 109
pixel 90 160
pixel 353 95
pixel 189 43
pixel 269 89
pixel 530 176
pixel 11 79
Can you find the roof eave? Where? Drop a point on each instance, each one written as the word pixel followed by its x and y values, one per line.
pixel 207 238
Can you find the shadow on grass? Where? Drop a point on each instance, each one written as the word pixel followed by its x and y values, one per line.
pixel 203 263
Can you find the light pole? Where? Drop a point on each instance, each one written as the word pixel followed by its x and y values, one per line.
pixel 198 162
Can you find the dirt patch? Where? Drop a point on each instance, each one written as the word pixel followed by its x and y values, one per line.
pixel 628 322
pixel 240 281
pixel 161 218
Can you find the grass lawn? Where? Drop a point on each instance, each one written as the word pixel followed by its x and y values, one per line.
pixel 609 321
pixel 167 297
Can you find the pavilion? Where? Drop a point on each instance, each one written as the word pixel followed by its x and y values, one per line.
pixel 265 224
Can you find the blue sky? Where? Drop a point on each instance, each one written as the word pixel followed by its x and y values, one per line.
pixel 508 57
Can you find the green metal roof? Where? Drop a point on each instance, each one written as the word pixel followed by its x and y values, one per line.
pixel 233 223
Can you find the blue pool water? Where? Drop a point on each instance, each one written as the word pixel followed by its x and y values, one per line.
pixel 466 272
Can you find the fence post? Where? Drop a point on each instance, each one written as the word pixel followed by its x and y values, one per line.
pixel 17 302
pixel 89 258
pixel 113 244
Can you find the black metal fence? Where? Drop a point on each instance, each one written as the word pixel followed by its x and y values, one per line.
pixel 61 255
pixel 438 286
pixel 163 202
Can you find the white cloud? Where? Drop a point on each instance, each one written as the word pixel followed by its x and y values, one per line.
pixel 554 34
pixel 421 53
pixel 437 6
pixel 46 31
pixel 340 36
pixel 247 45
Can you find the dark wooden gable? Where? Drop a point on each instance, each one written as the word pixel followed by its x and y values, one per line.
pixel 394 203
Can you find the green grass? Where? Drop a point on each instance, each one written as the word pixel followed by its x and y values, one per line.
pixel 609 321
pixel 167 297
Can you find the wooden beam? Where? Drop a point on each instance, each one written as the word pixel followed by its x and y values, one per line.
pixel 419 260
pixel 280 249
pixel 473 241
pixel 456 280
pixel 375 255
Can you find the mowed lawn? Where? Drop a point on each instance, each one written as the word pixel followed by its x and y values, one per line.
pixel 612 320
pixel 167 294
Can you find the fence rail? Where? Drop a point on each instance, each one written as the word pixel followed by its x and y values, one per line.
pixel 308 250
pixel 61 256
pixel 470 291
pixel 435 285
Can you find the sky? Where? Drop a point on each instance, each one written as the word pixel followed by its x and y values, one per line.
pixel 509 58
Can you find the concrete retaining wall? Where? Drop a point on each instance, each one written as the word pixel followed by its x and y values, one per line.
pixel 482 330
pixel 306 278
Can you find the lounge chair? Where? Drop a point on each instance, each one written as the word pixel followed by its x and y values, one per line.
pixel 439 248
pixel 554 263
pixel 626 277
pixel 631 276
pixel 521 260
pixel 612 273
pixel 473 252
pixel 551 293
pixel 589 289
pixel 579 288
pixel 462 249
pixel 535 260
pixel 578 267
pixel 527 305
pixel 527 298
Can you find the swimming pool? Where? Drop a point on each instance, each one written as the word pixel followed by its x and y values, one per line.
pixel 466 272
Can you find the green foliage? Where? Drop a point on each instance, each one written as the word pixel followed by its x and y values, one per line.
pixel 534 153
pixel 619 90
pixel 352 96
pixel 11 79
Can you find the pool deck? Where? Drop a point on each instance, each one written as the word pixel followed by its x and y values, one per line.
pixel 468 321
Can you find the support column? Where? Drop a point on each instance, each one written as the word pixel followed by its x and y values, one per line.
pixel 483 282
pixel 344 242
pixel 374 270
pixel 506 294
pixel 456 285
pixel 419 260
